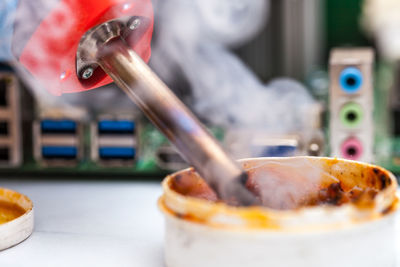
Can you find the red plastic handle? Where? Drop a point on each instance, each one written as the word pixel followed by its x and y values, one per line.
pixel 50 53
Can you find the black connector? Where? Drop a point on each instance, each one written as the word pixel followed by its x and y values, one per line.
pixel 3 128
pixel 3 92
pixel 4 154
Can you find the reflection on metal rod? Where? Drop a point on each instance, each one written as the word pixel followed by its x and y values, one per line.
pixel 105 46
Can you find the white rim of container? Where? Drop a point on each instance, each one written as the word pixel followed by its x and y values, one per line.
pixel 19 229
pixel 305 219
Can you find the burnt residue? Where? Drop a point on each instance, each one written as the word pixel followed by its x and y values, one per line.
pixel 372 181
pixel 243 178
pixel 180 215
pixel 178 178
pixel 383 180
pixel 190 184
pixel 333 195
pixel 358 187
pixel 382 177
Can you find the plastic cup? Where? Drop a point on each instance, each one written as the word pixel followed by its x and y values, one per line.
pixel 319 212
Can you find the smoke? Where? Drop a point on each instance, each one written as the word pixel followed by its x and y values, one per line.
pixel 194 37
pixel 287 184
pixel 381 20
pixel 24 20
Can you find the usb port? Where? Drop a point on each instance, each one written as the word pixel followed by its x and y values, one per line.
pixel 277 151
pixel 116 127
pixel 266 146
pixel 58 126
pixel 110 153
pixel 4 154
pixel 59 152
pixel 3 128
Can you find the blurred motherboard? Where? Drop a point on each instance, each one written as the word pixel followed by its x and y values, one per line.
pixel 98 134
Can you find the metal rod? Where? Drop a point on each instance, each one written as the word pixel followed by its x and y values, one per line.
pixel 173 118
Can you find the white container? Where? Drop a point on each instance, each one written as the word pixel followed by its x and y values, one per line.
pixel 19 228
pixel 360 232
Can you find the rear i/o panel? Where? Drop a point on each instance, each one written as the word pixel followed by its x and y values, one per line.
pixel 10 121
pixel 351 104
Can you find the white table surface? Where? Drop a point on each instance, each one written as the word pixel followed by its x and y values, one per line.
pixel 90 224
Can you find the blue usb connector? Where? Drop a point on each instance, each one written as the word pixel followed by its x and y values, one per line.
pixel 58 126
pixel 59 152
pixel 277 151
pixel 116 127
pixel 117 153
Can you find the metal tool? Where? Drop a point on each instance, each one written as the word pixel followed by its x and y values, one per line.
pixel 107 48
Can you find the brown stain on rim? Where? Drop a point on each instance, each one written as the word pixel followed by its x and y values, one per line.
pixel 361 191
pixel 251 216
